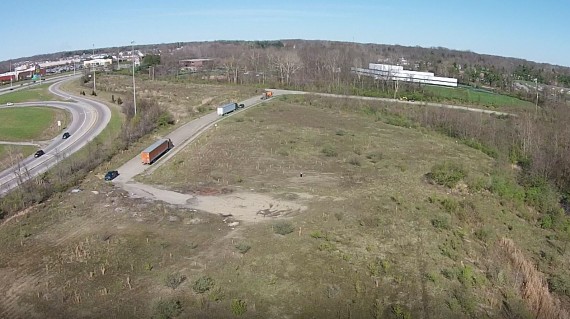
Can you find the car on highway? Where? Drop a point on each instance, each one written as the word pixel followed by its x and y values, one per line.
pixel 39 153
pixel 241 106
pixel 9 104
pixel 66 135
pixel 111 175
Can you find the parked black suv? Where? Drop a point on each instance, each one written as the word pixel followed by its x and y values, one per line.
pixel 39 153
pixel 111 175
pixel 66 135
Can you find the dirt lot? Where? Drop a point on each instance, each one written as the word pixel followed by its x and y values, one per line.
pixel 352 229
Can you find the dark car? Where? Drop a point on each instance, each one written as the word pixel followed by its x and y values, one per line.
pixel 66 135
pixel 241 106
pixel 111 175
pixel 39 153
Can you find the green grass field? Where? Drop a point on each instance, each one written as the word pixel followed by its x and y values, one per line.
pixel 30 123
pixel 35 93
pixel 478 97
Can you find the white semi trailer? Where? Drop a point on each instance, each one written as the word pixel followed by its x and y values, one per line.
pixel 225 109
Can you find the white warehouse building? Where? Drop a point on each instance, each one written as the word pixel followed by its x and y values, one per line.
pixel 97 62
pixel 397 73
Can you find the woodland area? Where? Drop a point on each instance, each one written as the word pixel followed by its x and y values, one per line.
pixel 325 66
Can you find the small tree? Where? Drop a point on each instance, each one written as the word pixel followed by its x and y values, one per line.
pixel 119 101
pixel 203 284
pixel 113 98
pixel 93 93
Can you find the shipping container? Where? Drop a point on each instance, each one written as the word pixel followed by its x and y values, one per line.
pixel 157 149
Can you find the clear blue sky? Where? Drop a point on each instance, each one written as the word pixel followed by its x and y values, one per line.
pixel 532 30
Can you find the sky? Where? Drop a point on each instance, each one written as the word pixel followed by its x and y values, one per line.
pixel 527 29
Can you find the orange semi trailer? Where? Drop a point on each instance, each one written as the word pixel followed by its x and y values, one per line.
pixel 151 153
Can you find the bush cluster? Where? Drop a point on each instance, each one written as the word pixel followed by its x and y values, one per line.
pixel 283 228
pixel 447 174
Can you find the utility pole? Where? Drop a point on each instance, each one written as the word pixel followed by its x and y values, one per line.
pixel 536 107
pixel 134 87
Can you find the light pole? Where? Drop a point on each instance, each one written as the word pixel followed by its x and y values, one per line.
pixel 10 74
pixel 93 66
pixel 134 87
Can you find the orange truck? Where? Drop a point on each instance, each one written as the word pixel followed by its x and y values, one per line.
pixel 156 150
pixel 266 95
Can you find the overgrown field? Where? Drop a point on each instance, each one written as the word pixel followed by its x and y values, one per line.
pixel 31 123
pixel 401 223
pixel 181 99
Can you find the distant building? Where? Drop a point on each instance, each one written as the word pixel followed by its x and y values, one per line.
pixel 195 64
pixel 97 62
pixel 7 77
pixel 397 73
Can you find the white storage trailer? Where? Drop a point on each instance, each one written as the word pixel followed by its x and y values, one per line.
pixel 225 109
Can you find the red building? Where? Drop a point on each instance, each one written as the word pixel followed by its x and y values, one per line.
pixel 6 77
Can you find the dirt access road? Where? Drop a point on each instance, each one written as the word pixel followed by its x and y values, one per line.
pixel 244 206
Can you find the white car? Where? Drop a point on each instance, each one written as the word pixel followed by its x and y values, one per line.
pixel 9 104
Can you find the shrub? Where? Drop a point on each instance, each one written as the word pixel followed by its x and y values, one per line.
pixel 477 184
pixel 174 280
pixel 329 151
pixel 243 247
pixel 481 147
pixel 165 119
pixel 317 234
pixel 450 205
pixel 397 311
pixel 441 222
pixel 398 120
pixel 540 195
pixel 93 93
pixel 447 174
pixel 449 273
pixel 467 276
pixel 354 161
pixel 506 188
pixel 239 307
pixel 166 309
pixel 203 284
pixel 283 228
pixel 559 285
pixel 119 101
pixel 546 221
pixel 374 157
pixel 484 234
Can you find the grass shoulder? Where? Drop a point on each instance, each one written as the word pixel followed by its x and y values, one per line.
pixel 35 93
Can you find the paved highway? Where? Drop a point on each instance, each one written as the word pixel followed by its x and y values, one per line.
pixel 89 118
pixel 20 86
